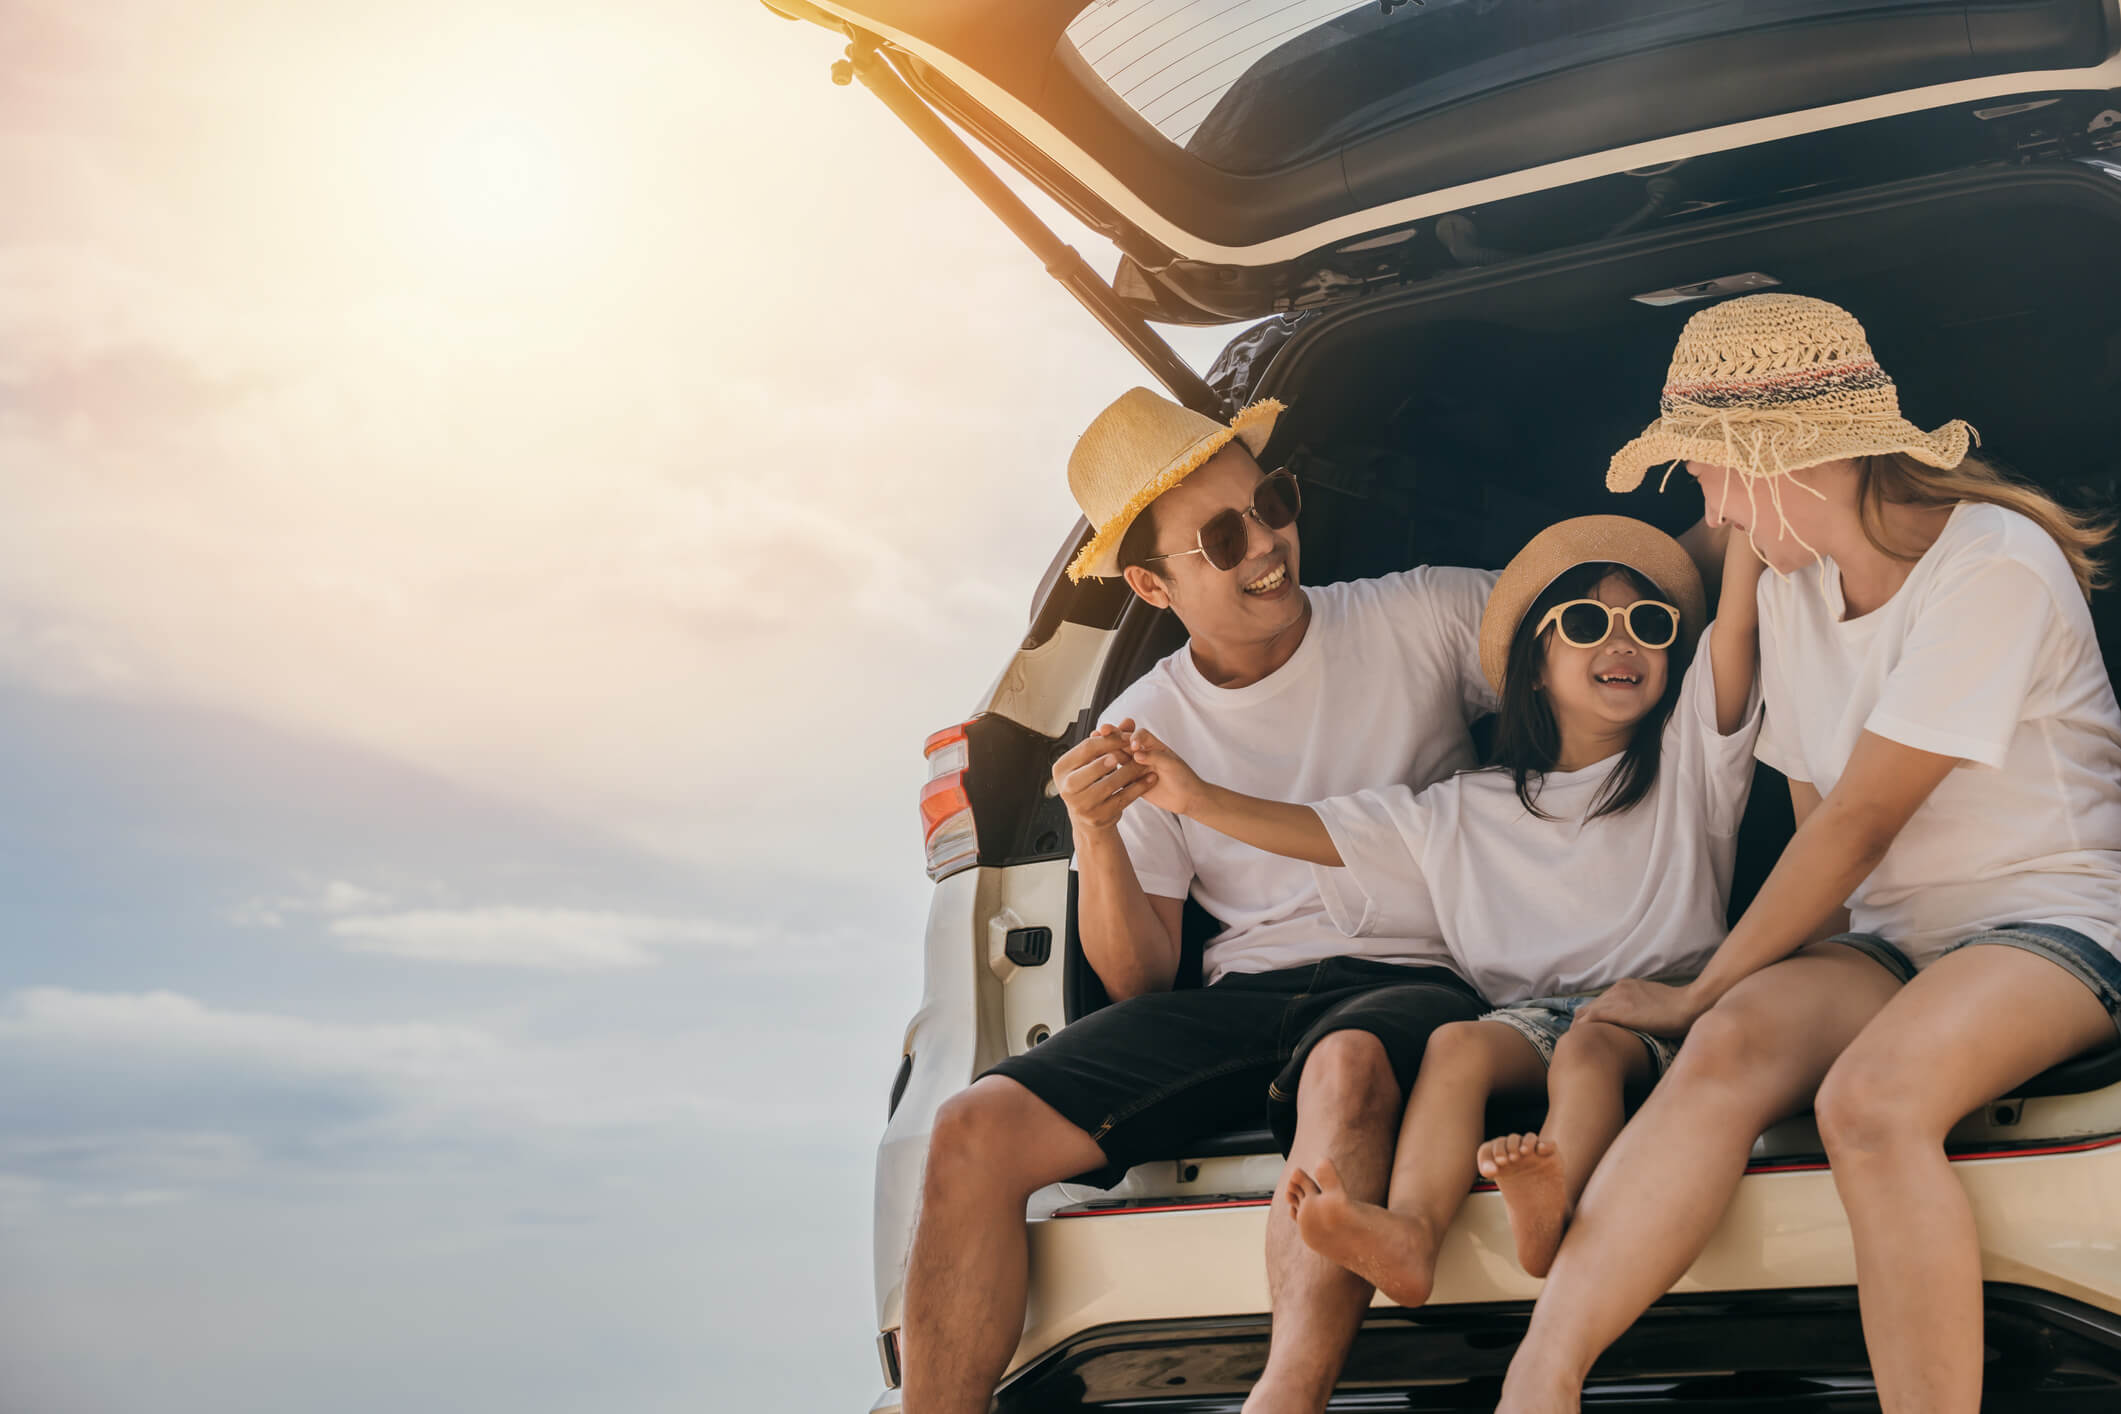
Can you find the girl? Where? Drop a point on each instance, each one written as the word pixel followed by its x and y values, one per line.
pixel 1937 699
pixel 1599 847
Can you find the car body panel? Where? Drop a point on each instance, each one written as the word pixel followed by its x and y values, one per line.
pixel 1003 69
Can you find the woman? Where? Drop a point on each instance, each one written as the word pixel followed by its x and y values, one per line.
pixel 1936 696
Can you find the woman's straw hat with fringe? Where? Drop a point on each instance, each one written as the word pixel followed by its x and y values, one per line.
pixel 1137 449
pixel 1774 383
pixel 1588 540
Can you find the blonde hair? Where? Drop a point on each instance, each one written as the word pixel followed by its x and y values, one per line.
pixel 1899 478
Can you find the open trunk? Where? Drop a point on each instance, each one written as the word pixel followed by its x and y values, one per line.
pixel 1447 426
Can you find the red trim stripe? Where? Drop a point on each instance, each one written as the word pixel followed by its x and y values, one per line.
pixel 1260 1200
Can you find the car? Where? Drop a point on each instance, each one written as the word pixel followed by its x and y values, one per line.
pixel 1458 238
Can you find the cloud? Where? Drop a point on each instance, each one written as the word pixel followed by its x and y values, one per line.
pixel 535 937
pixel 558 939
pixel 171 1024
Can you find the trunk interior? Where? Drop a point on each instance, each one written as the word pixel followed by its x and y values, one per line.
pixel 1450 423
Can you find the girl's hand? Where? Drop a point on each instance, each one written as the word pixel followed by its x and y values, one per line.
pixel 1173 786
pixel 1655 1007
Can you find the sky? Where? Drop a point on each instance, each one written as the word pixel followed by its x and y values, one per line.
pixel 495 496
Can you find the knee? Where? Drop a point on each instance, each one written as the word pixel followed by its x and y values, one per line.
pixel 1866 1108
pixel 1458 1049
pixel 1724 1049
pixel 975 1135
pixel 1596 1048
pixel 1349 1075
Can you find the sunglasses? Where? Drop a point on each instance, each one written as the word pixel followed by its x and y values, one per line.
pixel 1586 623
pixel 1223 539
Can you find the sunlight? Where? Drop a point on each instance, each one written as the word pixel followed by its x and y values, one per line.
pixel 498 180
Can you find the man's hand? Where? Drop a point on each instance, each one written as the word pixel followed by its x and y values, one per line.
pixel 1655 1007
pixel 1173 785
pixel 1098 778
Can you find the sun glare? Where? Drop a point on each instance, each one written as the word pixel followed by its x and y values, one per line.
pixel 497 181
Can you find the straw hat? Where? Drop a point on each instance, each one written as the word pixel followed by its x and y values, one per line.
pixel 1587 540
pixel 1768 384
pixel 1137 449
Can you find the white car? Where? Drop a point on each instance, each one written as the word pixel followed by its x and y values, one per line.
pixel 1480 223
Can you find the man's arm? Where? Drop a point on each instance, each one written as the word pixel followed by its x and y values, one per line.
pixel 1130 936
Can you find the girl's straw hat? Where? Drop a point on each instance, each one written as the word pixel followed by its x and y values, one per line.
pixel 1137 449
pixel 1588 540
pixel 1768 384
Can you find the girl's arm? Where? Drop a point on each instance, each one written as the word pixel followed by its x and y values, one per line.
pixel 1735 645
pixel 1836 847
pixel 1294 831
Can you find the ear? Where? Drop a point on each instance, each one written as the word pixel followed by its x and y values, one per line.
pixel 1147 586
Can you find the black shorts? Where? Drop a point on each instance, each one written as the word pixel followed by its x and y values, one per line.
pixel 1147 1076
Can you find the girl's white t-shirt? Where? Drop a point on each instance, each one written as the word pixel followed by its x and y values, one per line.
pixel 1382 688
pixel 1540 908
pixel 1986 653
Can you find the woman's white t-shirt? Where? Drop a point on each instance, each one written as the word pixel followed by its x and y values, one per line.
pixel 1554 907
pixel 1381 689
pixel 1986 653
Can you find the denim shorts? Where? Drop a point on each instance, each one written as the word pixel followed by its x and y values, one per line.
pixel 2068 949
pixel 1544 1020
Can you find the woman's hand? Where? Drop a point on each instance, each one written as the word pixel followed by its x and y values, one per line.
pixel 1656 1007
pixel 1173 785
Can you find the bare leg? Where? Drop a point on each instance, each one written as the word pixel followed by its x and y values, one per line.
pixel 1971 1026
pixel 1394 1247
pixel 1542 1175
pixel 1345 1109
pixel 1652 1206
pixel 993 1146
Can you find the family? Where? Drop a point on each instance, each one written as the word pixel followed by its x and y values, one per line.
pixel 1899 630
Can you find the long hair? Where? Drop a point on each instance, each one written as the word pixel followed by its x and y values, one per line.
pixel 1528 739
pixel 1899 479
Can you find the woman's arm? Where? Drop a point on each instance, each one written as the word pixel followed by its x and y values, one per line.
pixel 1804 799
pixel 1293 831
pixel 1735 645
pixel 1837 846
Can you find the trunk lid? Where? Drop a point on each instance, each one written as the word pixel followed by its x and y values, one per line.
pixel 1250 157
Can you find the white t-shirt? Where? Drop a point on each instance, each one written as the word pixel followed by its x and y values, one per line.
pixel 1986 653
pixel 1543 908
pixel 1381 689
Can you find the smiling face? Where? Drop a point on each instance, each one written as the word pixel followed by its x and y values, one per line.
pixel 1611 685
pixel 1258 600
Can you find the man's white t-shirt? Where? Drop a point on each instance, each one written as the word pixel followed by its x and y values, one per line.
pixel 1986 653
pixel 1555 907
pixel 1381 689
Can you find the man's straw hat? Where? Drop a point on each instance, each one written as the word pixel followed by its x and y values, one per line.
pixel 1587 540
pixel 1768 384
pixel 1137 449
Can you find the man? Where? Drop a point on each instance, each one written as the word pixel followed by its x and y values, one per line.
pixel 1282 691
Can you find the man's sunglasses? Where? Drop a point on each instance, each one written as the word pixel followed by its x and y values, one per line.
pixel 1585 623
pixel 1223 538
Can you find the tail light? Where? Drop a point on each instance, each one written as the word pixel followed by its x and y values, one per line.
pixel 946 811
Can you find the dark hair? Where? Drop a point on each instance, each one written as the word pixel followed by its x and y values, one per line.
pixel 1139 543
pixel 1528 739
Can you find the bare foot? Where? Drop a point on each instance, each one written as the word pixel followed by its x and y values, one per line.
pixel 1294 1189
pixel 1393 1252
pixel 1527 1168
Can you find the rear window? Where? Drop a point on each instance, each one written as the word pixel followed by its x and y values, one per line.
pixel 1254 85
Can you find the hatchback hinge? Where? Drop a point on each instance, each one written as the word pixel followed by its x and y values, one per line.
pixel 1062 261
